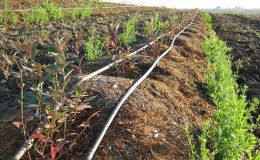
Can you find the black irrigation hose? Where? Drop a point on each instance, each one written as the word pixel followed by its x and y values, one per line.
pixel 90 155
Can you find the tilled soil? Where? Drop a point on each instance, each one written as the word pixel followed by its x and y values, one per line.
pixel 242 34
pixel 150 123
pixel 69 32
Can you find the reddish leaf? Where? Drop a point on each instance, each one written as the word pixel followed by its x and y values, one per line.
pixel 38 135
pixel 74 66
pixel 55 150
pixel 70 101
pixel 53 153
pixel 82 107
pixel 21 85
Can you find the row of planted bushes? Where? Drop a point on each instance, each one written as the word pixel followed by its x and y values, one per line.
pixel 94 47
pixel 46 12
pixel 229 134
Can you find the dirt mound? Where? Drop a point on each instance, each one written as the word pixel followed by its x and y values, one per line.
pixel 150 123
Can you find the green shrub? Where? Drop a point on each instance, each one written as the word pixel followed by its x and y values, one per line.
pixel 2 20
pixel 53 11
pixel 208 20
pixel 93 48
pixel 155 25
pixel 230 133
pixel 129 34
pixel 74 13
pixel 86 12
pixel 82 13
pixel 4 17
pixel 38 15
pixel 14 18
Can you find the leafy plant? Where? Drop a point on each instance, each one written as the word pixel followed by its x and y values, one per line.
pixel 208 20
pixel 154 25
pixel 93 48
pixel 113 46
pixel 38 15
pixel 14 18
pixel 53 11
pixel 4 18
pixel 231 135
pixel 164 26
pixel 229 131
pixel 82 13
pixel 74 13
pixel 192 153
pixel 129 34
pixel 56 111
pixel 97 4
pixel 86 11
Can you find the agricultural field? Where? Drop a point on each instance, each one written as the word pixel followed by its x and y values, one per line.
pixel 160 79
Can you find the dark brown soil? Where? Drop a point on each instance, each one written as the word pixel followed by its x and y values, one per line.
pixel 150 123
pixel 242 34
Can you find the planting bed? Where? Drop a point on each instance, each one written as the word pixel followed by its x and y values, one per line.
pixel 242 34
pixel 150 123
pixel 28 4
pixel 71 32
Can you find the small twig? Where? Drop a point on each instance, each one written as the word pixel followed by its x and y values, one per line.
pixel 21 86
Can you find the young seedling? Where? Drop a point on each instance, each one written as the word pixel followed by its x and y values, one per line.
pixel 93 48
pixel 37 15
pixel 113 46
pixel 53 11
pixel 128 36
pixel 81 13
pixel 156 49
pixel 4 18
pixel 153 26
pixel 57 111
pixel 14 19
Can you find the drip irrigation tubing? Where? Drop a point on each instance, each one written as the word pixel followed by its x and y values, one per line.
pixel 84 78
pixel 29 142
pixel 90 155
